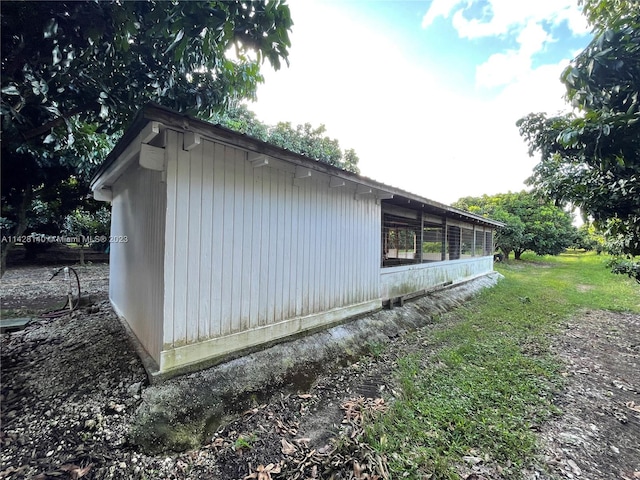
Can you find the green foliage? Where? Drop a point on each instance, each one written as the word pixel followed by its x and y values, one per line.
pixel 588 239
pixel 240 119
pixel 55 200
pixel 75 73
pixel 51 203
pixel 592 158
pixel 101 61
pixel 245 442
pixel 350 161
pixel 83 224
pixel 491 379
pixel 619 242
pixel 303 139
pixel 376 349
pixel 431 247
pixel 530 223
pixel 88 228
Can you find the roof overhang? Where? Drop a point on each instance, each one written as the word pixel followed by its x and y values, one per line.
pixel 145 137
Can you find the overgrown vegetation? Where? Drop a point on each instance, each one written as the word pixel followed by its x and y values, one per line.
pixel 591 156
pixel 303 139
pixel 75 73
pixel 489 380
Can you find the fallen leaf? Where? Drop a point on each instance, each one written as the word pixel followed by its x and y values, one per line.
pixel 325 450
pixel 304 396
pixel 622 385
pixel 287 448
pixel 634 407
pixel 262 472
pixel 218 442
pixel 75 471
pixel 576 469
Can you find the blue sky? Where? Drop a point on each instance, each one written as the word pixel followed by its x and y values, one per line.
pixel 427 92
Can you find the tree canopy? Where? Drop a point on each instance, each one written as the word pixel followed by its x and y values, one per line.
pixel 530 223
pixel 100 61
pixel 303 139
pixel 75 73
pixel 591 157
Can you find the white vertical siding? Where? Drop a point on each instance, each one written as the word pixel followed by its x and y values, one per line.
pixel 194 293
pixel 136 266
pixel 249 248
pixel 207 250
pixel 218 306
pixel 183 278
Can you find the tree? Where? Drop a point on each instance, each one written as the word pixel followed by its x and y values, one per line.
pixel 72 71
pixel 240 119
pixel 87 227
pixel 591 158
pixel 303 139
pixel 511 237
pixel 588 239
pixel 530 223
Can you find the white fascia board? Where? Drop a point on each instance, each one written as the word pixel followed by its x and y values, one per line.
pixel 130 153
pixel 104 194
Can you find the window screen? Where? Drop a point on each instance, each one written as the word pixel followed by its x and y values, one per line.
pixel 400 240
pixel 478 250
pixel 466 245
pixel 432 243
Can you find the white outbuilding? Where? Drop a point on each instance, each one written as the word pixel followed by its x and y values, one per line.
pixel 221 243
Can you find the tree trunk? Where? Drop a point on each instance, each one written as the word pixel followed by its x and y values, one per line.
pixel 505 254
pixel 19 230
pixel 6 246
pixel 517 254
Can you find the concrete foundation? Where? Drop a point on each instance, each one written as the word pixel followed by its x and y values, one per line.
pixel 183 412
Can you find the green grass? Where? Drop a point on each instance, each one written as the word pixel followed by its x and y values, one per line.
pixel 245 442
pixel 492 378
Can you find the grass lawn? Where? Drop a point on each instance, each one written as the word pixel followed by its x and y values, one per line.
pixel 488 379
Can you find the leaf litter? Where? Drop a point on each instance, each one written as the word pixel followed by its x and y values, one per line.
pixel 62 421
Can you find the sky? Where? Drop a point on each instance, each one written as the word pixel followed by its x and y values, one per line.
pixel 427 92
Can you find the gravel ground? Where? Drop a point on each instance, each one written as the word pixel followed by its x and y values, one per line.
pixel 71 385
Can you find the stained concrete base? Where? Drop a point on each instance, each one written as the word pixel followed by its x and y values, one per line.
pixel 182 412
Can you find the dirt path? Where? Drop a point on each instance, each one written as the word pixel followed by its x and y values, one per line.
pixel 71 385
pixel 598 434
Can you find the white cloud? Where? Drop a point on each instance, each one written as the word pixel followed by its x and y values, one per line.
pixel 539 91
pixel 504 16
pixel 507 17
pixel 532 38
pixel 409 130
pixel 439 8
pixel 503 68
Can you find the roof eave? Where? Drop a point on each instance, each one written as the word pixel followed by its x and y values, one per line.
pixel 183 122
